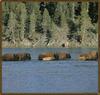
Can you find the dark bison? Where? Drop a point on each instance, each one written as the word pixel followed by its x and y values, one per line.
pixel 62 56
pixel 93 55
pixel 63 45
pixel 23 56
pixel 16 57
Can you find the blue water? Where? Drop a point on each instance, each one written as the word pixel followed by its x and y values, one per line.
pixel 71 76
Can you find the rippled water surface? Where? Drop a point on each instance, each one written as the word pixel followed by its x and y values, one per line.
pixel 49 76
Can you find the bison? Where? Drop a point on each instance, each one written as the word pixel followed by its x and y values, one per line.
pixel 46 56
pixel 93 55
pixel 62 56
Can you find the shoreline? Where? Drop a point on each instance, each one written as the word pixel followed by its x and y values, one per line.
pixel 6 44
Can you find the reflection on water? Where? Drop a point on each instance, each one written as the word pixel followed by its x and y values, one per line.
pixel 50 76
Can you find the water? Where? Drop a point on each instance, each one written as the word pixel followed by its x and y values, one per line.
pixel 71 76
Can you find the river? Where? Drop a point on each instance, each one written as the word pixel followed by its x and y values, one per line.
pixel 68 76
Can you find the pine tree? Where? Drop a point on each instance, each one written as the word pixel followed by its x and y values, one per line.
pixel 46 23
pixel 84 21
pixel 18 25
pixel 11 27
pixel 70 10
pixel 62 10
pixel 32 25
pixel 39 18
pixel 23 20
pixel 5 8
pixel 57 15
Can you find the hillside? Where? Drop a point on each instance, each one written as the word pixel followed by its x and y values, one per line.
pixel 50 24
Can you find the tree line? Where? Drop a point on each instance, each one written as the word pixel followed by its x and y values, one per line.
pixel 36 20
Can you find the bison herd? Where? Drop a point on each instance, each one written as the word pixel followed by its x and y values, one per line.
pixel 54 56
pixel 16 57
pixel 93 55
